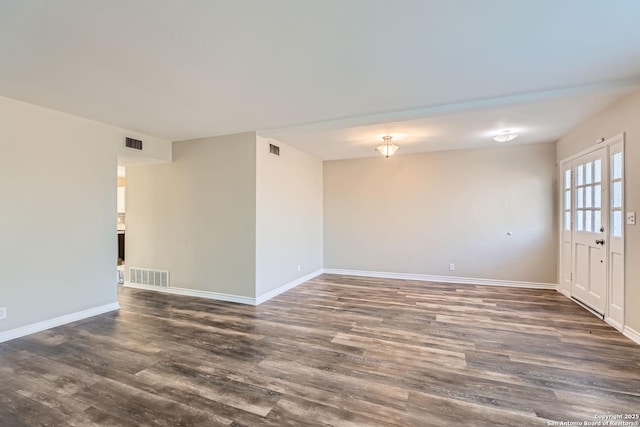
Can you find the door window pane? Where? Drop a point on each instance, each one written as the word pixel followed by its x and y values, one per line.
pixel 567 199
pixel 587 173
pixel 567 220
pixel 580 198
pixel 579 223
pixel 616 224
pixel 616 197
pixel 597 170
pixel 588 225
pixel 597 196
pixel 617 166
pixel 597 221
pixel 579 175
pixel 588 196
pixel 567 179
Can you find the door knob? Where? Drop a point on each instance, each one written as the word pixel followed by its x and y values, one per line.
pixel 600 242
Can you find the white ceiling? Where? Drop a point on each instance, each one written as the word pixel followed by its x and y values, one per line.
pixel 539 120
pixel 455 69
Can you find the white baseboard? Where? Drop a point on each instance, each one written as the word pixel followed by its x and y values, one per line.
pixel 226 297
pixel 265 297
pixel 632 334
pixel 613 323
pixel 194 293
pixel 57 321
pixel 564 292
pixel 442 279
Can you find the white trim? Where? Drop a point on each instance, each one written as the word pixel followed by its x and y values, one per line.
pixel 57 321
pixel 613 323
pixel 605 143
pixel 227 297
pixel 632 334
pixel 443 279
pixel 194 293
pixel 564 292
pixel 287 286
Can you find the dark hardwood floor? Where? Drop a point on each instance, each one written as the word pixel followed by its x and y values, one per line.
pixel 338 350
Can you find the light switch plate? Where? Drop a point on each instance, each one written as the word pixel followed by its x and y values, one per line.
pixel 631 218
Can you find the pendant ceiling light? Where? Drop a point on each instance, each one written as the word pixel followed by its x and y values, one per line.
pixel 387 148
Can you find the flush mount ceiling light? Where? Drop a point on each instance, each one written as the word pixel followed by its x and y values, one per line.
pixel 505 136
pixel 387 148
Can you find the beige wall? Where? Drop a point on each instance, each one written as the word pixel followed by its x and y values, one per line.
pixel 58 249
pixel 417 213
pixel 620 117
pixel 288 216
pixel 196 216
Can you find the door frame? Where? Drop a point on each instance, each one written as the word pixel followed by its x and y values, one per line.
pixel 616 140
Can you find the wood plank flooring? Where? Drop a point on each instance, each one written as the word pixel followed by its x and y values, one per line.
pixel 337 350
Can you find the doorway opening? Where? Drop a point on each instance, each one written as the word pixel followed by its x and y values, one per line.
pixel 592 229
pixel 121 223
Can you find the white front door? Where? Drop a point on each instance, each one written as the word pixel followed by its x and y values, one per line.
pixel 589 242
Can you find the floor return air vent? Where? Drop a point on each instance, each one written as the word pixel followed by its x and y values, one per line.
pixel 146 276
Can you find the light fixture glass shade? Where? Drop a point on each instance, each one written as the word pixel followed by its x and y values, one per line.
pixel 505 136
pixel 387 149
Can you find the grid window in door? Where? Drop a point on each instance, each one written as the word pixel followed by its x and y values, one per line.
pixel 567 200
pixel 616 194
pixel 588 189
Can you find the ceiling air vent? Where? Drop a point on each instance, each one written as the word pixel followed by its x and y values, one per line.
pixel 133 144
pixel 274 149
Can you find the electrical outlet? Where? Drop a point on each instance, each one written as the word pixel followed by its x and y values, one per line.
pixel 452 267
pixel 631 218
pixel 3 313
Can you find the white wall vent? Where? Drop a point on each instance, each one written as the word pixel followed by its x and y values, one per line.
pixel 147 276
pixel 132 143
pixel 274 149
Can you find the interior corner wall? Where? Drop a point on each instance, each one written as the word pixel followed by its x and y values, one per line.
pixel 620 117
pixel 417 213
pixel 195 217
pixel 58 249
pixel 288 216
